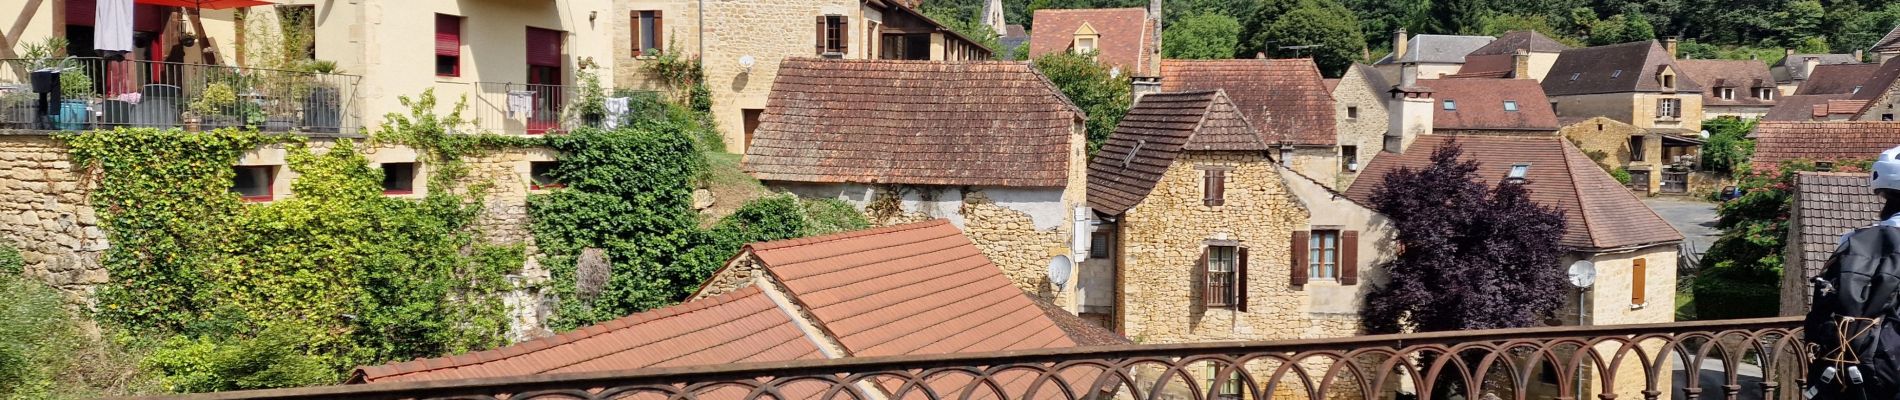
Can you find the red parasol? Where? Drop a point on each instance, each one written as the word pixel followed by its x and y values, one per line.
pixel 205 4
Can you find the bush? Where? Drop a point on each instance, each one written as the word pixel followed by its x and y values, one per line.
pixel 46 354
pixel 11 264
pixel 1622 175
pixel 277 358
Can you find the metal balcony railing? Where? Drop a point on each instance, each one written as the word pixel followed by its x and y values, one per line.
pixel 1735 359
pixel 102 94
pixel 534 109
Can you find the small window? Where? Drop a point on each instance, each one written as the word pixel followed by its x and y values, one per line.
pixel 448 45
pixel 255 182
pixel 1322 255
pixel 831 35
pixel 1669 108
pixel 1510 105
pixel 1765 93
pixel 1575 75
pixel 1519 171
pixel 399 178
pixel 1221 279
pixel 1098 245
pixel 1616 74
pixel 648 36
pixel 1886 117
pixel 1214 187
pixel 1727 93
pixel 1669 81
pixel 541 175
pixel 1349 158
pixel 1451 105
pixel 1084 45
pixel 1352 112
pixel 1637 149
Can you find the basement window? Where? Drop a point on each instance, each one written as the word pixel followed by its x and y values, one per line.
pixel 399 178
pixel 255 183
pixel 541 175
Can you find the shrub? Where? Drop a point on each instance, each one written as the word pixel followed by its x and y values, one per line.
pixel 11 264
pixel 277 358
pixel 1622 175
pixel 46 354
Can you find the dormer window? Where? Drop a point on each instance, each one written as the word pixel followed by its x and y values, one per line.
pixel 1451 105
pixel 1084 44
pixel 1725 93
pixel 1510 105
pixel 1669 81
pixel 1086 39
pixel 1765 93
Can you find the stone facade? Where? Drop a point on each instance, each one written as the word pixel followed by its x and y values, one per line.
pixel 1637 109
pixel 1364 132
pixel 1886 107
pixel 1319 162
pixel 1610 139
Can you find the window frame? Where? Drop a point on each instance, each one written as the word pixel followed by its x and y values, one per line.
pixel 1450 105
pixel 1101 245
pixel 1352 112
pixel 1726 93
pixel 1322 254
pixel 1639 146
pixel 1510 105
pixel 270 183
pixel 415 174
pixel 1349 157
pixel 1214 186
pixel 1669 108
pixel 1519 171
pixel 644 32
pixel 835 35
pixel 535 178
pixel 455 70
pixel 1229 297
pixel 1093 44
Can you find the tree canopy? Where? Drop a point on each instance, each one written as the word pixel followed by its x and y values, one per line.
pixel 1201 36
pixel 1104 96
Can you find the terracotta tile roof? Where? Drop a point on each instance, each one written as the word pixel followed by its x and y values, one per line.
pixel 1776 142
pixel 1480 105
pixel 1438 49
pixel 742 326
pixel 1155 131
pixel 919 288
pixel 1889 43
pixel 1743 75
pixel 1617 68
pixel 914 122
pixel 1837 78
pixel 1286 99
pixel 1331 84
pixel 1127 39
pixel 1830 204
pixel 1510 42
pixel 1845 106
pixel 1599 212
pixel 1800 107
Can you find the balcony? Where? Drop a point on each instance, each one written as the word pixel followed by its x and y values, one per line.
pixel 535 109
pixel 104 94
pixel 1734 359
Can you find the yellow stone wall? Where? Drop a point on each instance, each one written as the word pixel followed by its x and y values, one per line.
pixel 1367 132
pixel 1612 138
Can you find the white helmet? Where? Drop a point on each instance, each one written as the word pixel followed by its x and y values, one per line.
pixel 1887 170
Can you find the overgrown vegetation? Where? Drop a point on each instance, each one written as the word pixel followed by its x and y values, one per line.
pixel 1475 257
pixel 1728 147
pixel 1744 266
pixel 1105 97
pixel 48 355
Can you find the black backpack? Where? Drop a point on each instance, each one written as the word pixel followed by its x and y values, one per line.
pixel 1852 327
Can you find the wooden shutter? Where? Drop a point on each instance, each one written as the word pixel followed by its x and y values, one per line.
pixel 1207 187
pixel 544 47
pixel 1349 257
pixel 638 50
pixel 659 32
pixel 1639 279
pixel 821 35
pixel 844 35
pixel 1207 279
pixel 1240 283
pixel 1298 273
pixel 448 35
pixel 1220 187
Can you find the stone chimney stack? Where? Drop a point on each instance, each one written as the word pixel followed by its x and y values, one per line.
pixel 1669 45
pixel 1398 44
pixel 1408 75
pixel 1860 55
pixel 1521 64
pixel 1808 64
pixel 1409 111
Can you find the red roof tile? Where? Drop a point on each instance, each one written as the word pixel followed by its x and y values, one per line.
pixel 1599 212
pixel 1127 35
pixel 914 122
pixel 1155 131
pixel 1776 142
pixel 1285 99
pixel 1480 105
pixel 742 326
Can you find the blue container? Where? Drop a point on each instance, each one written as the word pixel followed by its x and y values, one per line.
pixel 72 115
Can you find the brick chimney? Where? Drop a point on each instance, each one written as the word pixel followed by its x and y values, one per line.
pixel 1521 64
pixel 1410 111
pixel 1398 44
pixel 1669 45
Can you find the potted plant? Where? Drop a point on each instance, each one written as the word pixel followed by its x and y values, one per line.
pixel 75 91
pixel 208 109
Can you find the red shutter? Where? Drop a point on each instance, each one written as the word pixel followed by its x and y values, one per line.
pixel 1298 272
pixel 1349 257
pixel 1207 187
pixel 544 47
pixel 844 35
pixel 637 48
pixel 1240 283
pixel 81 12
pixel 145 17
pixel 448 35
pixel 821 35
pixel 659 33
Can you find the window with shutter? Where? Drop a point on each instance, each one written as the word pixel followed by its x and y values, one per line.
pixel 1639 282
pixel 1298 272
pixel 544 47
pixel 833 32
pixel 1220 276
pixel 1322 254
pixel 648 36
pixel 1214 187
pixel 448 45
pixel 1349 258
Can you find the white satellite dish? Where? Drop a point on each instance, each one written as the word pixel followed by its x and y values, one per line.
pixel 746 62
pixel 1583 273
pixel 1059 270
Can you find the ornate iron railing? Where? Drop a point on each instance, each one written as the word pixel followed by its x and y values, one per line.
pixel 1735 359
pixel 104 94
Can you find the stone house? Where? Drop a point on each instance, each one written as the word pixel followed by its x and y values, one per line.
pixel 741 43
pixel 1823 143
pixel 1794 70
pixel 1882 94
pixel 1435 56
pixel 1187 194
pixel 1888 47
pixel 993 147
pixel 1658 161
pixel 1635 82
pixel 1489 106
pixel 1359 113
pixel 1285 99
pixel 1125 39
pixel 852 294
pixel 1733 88
pixel 1516 54
pixel 1825 206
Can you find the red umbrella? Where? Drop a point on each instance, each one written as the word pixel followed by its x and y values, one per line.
pixel 205 4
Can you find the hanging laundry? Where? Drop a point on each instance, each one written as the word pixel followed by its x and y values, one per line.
pixel 616 109
pixel 521 104
pixel 112 25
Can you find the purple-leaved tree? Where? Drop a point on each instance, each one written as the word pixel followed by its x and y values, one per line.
pixel 1471 257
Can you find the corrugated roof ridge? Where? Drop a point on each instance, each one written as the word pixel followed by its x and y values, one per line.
pixel 420 365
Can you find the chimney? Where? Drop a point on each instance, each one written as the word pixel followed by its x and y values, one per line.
pixel 1398 44
pixel 1669 45
pixel 1408 75
pixel 1859 55
pixel 1521 64
pixel 1808 64
pixel 1409 111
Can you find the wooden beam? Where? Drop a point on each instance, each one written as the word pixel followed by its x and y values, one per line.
pixel 12 36
pixel 204 39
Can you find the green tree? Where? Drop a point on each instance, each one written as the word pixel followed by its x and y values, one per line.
pixel 1104 97
pixel 1622 28
pixel 1744 266
pixel 1728 147
pixel 1456 16
pixel 1203 36
pixel 1856 28
pixel 1321 23
pixel 1499 24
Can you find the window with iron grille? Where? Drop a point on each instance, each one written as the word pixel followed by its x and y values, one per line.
pixel 1099 245
pixel 1322 255
pixel 1222 280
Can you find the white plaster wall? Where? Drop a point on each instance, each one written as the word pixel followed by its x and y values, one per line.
pixel 1043 205
pixel 1376 246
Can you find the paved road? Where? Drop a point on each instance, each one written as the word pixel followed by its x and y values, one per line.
pixel 1694 217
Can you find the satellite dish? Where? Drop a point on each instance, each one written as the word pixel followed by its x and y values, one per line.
pixel 1583 273
pixel 1059 269
pixel 746 61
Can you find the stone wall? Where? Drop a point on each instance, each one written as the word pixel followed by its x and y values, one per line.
pixel 1692 113
pixel 1011 240
pixel 679 22
pixel 1163 238
pixel 45 212
pixel 1884 107
pixel 1367 131
pixel 769 31
pixel 1318 162
pixel 1611 139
